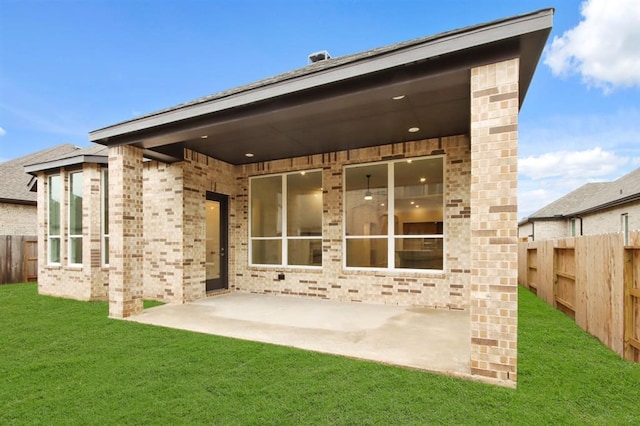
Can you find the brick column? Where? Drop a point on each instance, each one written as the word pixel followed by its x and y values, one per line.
pixel 125 231
pixel 494 251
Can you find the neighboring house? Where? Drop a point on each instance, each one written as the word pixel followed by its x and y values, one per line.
pixel 18 213
pixel 18 216
pixel 594 208
pixel 388 176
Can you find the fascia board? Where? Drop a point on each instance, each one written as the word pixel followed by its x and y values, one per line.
pixel 66 162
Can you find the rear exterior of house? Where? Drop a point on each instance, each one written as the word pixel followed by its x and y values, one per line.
pixel 388 176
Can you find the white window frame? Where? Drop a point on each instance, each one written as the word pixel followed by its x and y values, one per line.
pixel 284 238
pixel 624 224
pixel 72 237
pixel 104 205
pixel 57 236
pixel 391 232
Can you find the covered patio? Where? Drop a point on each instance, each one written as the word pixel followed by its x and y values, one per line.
pixel 416 337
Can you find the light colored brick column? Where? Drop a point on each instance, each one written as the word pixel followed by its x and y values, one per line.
pixel 125 231
pixel 494 251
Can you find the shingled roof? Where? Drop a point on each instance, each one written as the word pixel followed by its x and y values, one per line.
pixel 593 197
pixel 15 182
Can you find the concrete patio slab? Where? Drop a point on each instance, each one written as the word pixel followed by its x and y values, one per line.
pixel 423 338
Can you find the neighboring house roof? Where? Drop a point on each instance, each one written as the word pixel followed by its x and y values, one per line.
pixel 591 197
pixel 344 102
pixel 92 154
pixel 15 182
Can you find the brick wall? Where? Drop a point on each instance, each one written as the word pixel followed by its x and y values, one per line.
pixel 494 252
pixel 18 219
pixel 444 290
pixel 90 280
pixel 125 231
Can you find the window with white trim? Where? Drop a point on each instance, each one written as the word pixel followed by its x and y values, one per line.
pixel 394 215
pixel 286 219
pixel 105 217
pixel 54 197
pixel 75 218
pixel 624 222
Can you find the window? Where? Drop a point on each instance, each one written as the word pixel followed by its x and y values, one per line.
pixel 625 228
pixel 105 217
pixel 55 191
pixel 573 227
pixel 286 219
pixel 75 218
pixel 394 215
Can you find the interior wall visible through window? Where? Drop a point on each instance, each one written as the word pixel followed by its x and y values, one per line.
pixel 394 215
pixel 75 218
pixel 105 217
pixel 53 205
pixel 286 219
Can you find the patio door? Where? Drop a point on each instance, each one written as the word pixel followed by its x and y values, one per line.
pixel 216 263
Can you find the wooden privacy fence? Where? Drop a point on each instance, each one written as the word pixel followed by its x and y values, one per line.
pixel 18 258
pixel 593 279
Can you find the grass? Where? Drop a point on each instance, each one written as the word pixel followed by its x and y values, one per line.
pixel 65 362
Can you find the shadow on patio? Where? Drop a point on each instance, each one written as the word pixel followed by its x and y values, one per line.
pixel 423 338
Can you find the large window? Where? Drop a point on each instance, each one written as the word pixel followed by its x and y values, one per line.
pixel 75 218
pixel 394 215
pixel 286 219
pixel 105 217
pixel 55 192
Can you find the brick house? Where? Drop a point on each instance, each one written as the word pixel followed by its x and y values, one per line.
pixel 19 216
pixel 594 208
pixel 387 176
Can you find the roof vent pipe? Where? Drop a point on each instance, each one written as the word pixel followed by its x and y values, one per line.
pixel 322 55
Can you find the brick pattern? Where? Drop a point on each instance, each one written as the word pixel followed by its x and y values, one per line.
pixel 494 139
pixel 89 281
pixel 18 219
pixel 443 290
pixel 125 231
pixel 202 174
pixel 163 230
pixel 174 224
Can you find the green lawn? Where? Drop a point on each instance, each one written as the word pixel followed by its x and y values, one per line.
pixel 65 362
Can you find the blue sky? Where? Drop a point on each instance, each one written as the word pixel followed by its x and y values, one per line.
pixel 70 67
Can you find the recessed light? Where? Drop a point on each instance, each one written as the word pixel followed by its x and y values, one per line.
pixel 412 202
pixel 303 173
pixel 417 206
pixel 249 154
pixel 204 136
pixel 414 129
pixel 423 179
pixel 397 98
pixel 409 161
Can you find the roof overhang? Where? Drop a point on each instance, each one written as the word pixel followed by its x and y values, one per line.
pixel 344 103
pixel 65 162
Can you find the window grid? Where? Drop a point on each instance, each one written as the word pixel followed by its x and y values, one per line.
pixel 104 229
pixel 284 238
pixel 392 234
pixel 75 219
pixel 53 205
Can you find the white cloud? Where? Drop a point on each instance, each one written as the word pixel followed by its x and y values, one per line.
pixel 2 132
pixel 546 177
pixel 604 48
pixel 591 163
